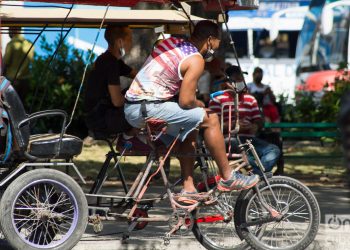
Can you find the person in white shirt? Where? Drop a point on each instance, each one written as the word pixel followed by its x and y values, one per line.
pixel 264 95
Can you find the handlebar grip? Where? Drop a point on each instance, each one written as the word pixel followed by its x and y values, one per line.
pixel 217 93
pixel 127 145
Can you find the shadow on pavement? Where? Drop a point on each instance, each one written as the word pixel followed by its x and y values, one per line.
pixel 4 245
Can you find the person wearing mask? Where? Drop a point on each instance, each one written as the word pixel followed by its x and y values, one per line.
pixel 264 96
pixel 250 122
pixel 104 97
pixel 174 68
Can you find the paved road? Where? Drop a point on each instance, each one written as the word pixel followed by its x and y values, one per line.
pixel 332 201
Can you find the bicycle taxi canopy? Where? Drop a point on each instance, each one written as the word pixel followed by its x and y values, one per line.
pixel 210 5
pixel 173 20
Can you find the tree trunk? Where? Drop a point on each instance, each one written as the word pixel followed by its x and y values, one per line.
pixel 143 39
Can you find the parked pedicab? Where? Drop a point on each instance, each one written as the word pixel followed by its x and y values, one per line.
pixel 42 208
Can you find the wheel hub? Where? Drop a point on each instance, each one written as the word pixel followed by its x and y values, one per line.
pixel 43 214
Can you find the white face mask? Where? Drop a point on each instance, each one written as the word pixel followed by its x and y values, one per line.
pixel 209 55
pixel 240 86
pixel 122 50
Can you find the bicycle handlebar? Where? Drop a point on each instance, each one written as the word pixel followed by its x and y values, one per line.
pixel 236 109
pixel 218 93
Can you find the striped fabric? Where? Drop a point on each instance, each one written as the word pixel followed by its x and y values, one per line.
pixel 160 77
pixel 248 108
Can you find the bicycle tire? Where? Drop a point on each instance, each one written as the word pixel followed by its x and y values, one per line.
pixel 39 207
pixel 247 197
pixel 218 234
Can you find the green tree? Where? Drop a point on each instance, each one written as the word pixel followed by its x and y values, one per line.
pixel 55 85
pixel 310 109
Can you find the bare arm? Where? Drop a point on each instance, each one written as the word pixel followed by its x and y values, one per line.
pixel 271 94
pixel 116 95
pixel 132 74
pixel 259 124
pixel 191 70
pixel 250 127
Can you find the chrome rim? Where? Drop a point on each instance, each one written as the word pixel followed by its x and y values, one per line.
pixel 220 233
pixel 45 213
pixel 295 224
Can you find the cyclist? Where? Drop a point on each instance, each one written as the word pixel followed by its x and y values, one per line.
pixel 174 67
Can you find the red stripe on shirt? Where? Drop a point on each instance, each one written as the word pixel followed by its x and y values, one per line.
pixel 248 107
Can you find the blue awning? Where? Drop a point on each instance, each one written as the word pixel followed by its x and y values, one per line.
pixel 291 15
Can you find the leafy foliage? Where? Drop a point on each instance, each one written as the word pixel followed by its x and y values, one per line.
pixel 310 108
pixel 55 84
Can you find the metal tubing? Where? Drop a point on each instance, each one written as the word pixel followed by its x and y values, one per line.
pixel 143 180
pixel 41 164
pixel 256 157
pixel 117 165
pixel 96 187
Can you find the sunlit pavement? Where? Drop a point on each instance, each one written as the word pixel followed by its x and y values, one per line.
pixel 332 234
pixel 332 201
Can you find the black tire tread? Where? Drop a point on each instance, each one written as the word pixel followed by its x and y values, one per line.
pixel 251 240
pixel 25 179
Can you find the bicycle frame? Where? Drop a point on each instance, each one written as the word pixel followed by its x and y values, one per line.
pixel 134 196
pixel 244 147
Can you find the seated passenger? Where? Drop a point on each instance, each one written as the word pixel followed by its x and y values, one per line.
pixel 174 67
pixel 264 95
pixel 250 122
pixel 104 97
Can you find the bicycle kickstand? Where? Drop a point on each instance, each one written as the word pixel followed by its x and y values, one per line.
pixel 126 235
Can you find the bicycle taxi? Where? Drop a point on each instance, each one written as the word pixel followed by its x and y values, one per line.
pixel 43 208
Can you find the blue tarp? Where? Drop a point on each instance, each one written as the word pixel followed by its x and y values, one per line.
pixel 291 15
pixel 268 8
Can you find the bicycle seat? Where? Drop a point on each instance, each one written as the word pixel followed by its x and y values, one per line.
pixel 45 146
pixel 156 125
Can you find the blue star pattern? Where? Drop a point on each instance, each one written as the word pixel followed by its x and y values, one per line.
pixel 187 48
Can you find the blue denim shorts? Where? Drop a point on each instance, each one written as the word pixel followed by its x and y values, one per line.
pixel 176 117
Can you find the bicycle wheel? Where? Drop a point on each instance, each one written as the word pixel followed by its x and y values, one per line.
pixel 214 225
pixel 43 209
pixel 298 226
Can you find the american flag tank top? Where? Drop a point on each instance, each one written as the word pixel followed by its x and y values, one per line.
pixel 160 77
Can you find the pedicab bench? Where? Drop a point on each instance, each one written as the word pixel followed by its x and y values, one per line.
pixel 33 192
pixel 59 146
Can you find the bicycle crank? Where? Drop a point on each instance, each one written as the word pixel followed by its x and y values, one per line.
pixel 181 221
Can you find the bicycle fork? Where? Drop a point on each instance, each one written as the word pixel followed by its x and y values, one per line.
pixel 275 215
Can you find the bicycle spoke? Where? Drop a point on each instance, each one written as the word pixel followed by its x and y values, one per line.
pixel 48 233
pixel 285 232
pixel 49 195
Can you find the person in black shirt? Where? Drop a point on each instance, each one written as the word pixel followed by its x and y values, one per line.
pixel 104 98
